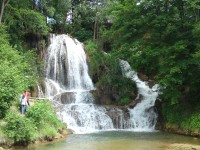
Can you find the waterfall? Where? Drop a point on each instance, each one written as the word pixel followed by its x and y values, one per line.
pixel 142 116
pixel 40 92
pixel 69 87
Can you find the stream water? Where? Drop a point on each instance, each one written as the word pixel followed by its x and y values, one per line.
pixel 116 140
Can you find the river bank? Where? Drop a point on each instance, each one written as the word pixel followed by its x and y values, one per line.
pixel 6 144
pixel 173 128
pixel 119 140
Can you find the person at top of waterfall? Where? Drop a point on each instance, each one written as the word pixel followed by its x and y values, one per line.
pixel 27 95
pixel 23 102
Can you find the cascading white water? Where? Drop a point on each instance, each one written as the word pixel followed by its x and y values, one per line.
pixel 40 92
pixel 69 87
pixel 142 116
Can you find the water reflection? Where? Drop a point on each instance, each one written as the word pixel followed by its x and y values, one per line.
pixel 117 140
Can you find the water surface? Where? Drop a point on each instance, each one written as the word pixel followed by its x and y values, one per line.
pixel 117 140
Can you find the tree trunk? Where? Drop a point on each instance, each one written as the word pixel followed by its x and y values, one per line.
pixel 166 3
pixel 4 2
pixel 95 26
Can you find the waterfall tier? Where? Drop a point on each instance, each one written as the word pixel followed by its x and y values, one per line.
pixel 69 87
pixel 142 116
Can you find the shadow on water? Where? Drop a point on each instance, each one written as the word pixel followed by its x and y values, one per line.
pixel 117 140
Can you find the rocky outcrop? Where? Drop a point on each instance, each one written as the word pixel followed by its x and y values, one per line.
pixel 134 102
pixel 119 115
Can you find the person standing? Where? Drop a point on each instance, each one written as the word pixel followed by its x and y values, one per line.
pixel 27 95
pixel 23 104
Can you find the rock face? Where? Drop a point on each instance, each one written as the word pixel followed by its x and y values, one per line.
pixel 134 102
pixel 143 77
pixel 119 115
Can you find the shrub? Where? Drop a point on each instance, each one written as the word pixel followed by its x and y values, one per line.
pixel 107 75
pixel 191 122
pixel 124 101
pixel 43 114
pixel 19 128
pixel 48 132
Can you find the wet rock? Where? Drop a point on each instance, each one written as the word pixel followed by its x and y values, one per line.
pixel 119 115
pixel 68 132
pixel 151 83
pixel 134 103
pixel 49 138
pixel 143 77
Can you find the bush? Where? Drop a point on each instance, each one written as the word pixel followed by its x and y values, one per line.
pixel 39 121
pixel 16 74
pixel 43 114
pixel 175 114
pixel 48 132
pixel 19 128
pixel 191 122
pixel 107 75
pixel 124 101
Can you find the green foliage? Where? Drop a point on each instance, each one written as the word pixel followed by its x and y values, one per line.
pixel 13 69
pixel 45 119
pixel 107 75
pixel 83 34
pixel 40 121
pixel 124 101
pixel 22 21
pixel 48 131
pixel 32 22
pixel 191 122
pixel 185 118
pixel 174 114
pixel 161 40
pixel 43 114
pixel 19 128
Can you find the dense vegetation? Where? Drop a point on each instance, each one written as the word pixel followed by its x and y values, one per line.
pixel 35 124
pixel 16 73
pixel 161 39
pixel 158 38
pixel 108 78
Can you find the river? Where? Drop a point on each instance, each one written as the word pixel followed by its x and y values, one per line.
pixel 116 140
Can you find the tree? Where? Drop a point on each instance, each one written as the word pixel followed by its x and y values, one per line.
pixel 16 72
pixel 160 39
pixel 3 5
